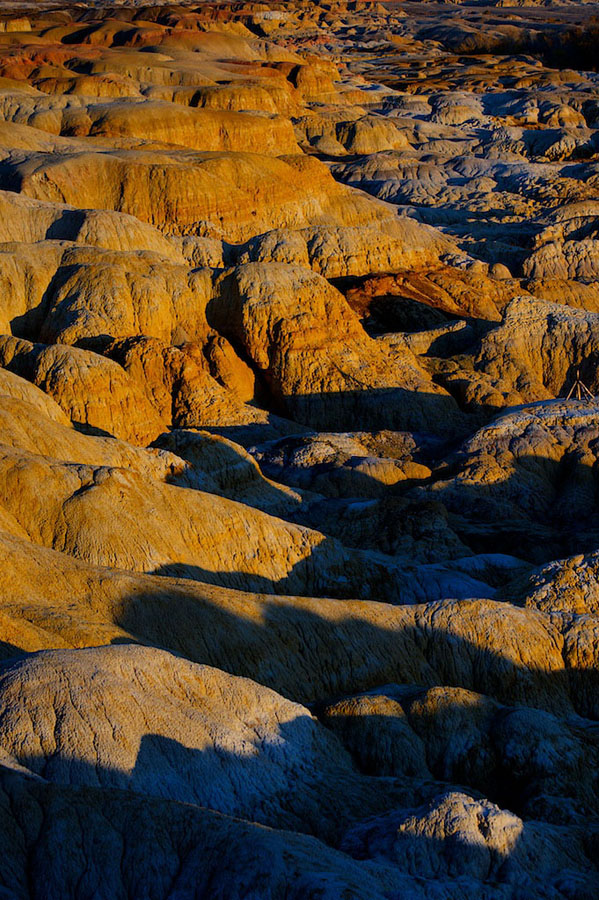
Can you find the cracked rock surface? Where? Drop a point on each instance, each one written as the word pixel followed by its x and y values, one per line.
pixel 299 450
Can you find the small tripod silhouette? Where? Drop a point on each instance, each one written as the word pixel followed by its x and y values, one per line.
pixel 579 390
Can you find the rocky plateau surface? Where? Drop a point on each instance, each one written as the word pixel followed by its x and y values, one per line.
pixel 299 450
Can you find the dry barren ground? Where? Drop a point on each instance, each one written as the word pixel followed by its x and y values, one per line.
pixel 299 451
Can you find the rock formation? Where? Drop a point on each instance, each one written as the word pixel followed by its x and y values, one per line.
pixel 299 451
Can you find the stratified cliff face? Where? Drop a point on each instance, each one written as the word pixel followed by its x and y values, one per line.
pixel 299 451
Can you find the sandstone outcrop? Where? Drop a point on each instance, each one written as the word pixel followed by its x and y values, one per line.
pixel 261 193
pixel 301 646
pixel 538 348
pixel 349 250
pixel 322 378
pixel 474 840
pixel 142 720
pixel 529 476
pixel 28 221
pixel 83 293
pixel 358 464
pixel 90 389
pixel 298 528
pixel 404 730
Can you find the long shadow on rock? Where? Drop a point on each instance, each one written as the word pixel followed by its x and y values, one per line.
pixel 124 845
pixel 30 324
pixel 332 570
pixel 272 780
pixel 137 846
pixel 333 803
pixel 7 650
pixel 492 648
pixel 371 408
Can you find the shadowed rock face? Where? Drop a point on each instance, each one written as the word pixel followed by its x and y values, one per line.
pixel 298 524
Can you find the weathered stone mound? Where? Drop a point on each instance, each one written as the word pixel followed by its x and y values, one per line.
pixel 538 348
pixel 298 530
pixel 155 726
pixel 233 196
pixel 530 476
pixel 324 377
pixel 142 720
